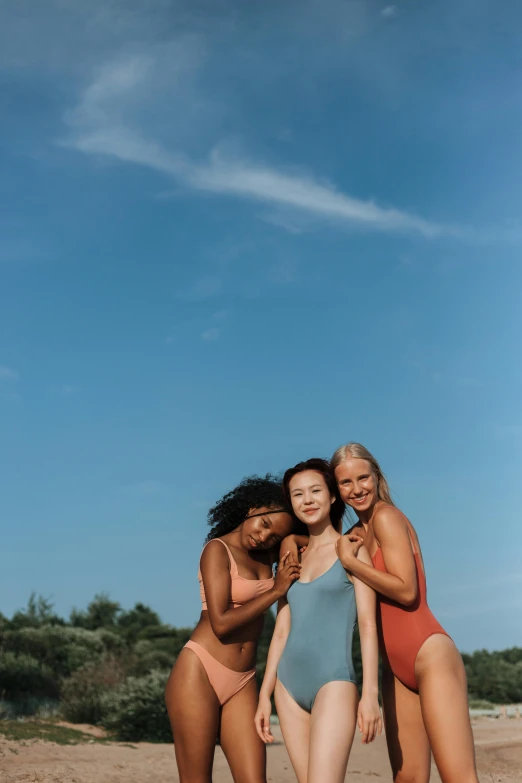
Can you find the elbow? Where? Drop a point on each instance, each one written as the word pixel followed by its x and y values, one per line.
pixel 220 628
pixel 408 596
pixel 222 632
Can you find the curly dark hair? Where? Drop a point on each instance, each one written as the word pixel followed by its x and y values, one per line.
pixel 252 492
pixel 321 466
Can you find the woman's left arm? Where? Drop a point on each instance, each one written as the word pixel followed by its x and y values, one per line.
pixel 294 544
pixel 369 717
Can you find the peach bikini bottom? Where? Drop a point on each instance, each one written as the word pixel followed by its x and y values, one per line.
pixel 225 682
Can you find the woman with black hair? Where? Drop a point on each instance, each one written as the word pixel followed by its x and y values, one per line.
pixel 212 686
pixel 310 658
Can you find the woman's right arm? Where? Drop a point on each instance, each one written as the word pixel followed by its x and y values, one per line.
pixel 399 582
pixel 215 571
pixel 277 645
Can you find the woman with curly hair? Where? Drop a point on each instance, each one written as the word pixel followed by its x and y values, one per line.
pixel 212 686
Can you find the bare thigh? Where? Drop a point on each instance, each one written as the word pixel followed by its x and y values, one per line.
pixel 193 709
pixel 444 700
pixel 295 726
pixel 406 737
pixel 240 742
pixel 334 716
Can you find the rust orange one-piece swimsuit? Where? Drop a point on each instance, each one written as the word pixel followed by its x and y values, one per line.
pixel 404 629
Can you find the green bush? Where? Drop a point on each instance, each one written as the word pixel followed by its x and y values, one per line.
pixel 131 623
pixel 63 649
pixel 169 640
pixel 156 659
pixel 492 677
pixel 45 709
pixel 39 611
pixel 136 710
pixel 23 677
pixel 83 692
pixel 148 657
pixel 481 704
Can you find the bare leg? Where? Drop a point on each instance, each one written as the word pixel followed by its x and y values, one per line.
pixel 295 726
pixel 408 744
pixel 444 701
pixel 193 709
pixel 334 717
pixel 244 750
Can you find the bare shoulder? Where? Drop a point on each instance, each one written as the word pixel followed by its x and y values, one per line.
pixel 388 520
pixel 214 554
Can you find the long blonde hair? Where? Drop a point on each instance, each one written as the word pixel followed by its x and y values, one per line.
pixel 357 451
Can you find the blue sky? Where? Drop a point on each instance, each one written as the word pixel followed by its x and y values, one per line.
pixel 236 236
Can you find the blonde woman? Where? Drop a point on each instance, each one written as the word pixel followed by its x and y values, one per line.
pixel 424 687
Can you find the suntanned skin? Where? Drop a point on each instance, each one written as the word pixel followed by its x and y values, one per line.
pixel 436 719
pixel 231 637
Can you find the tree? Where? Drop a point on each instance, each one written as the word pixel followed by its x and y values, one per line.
pixel 101 613
pixel 40 611
pixel 134 621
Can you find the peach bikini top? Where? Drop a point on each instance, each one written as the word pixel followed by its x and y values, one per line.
pixel 242 589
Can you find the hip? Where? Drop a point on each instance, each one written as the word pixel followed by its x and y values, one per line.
pixel 237 652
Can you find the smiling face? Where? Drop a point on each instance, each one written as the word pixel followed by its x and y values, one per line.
pixel 311 499
pixel 264 528
pixel 357 484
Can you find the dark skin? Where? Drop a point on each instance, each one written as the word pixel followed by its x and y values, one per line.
pixel 230 635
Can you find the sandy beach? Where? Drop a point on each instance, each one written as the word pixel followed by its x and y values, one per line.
pixel 498 744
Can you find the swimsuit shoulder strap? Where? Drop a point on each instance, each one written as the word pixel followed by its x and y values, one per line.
pixel 233 565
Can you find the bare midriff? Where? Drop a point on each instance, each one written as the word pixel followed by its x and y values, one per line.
pixel 238 650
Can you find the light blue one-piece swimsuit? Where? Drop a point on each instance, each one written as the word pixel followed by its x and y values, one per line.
pixel 319 646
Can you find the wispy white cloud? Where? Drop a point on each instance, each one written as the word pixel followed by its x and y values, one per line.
pixel 389 11
pixel 201 289
pixel 114 81
pixel 288 220
pixel 8 373
pixel 211 335
pixel 209 329
pixel 98 127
